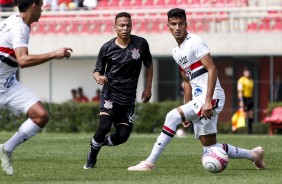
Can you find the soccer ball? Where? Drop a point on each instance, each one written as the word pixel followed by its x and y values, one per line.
pixel 215 159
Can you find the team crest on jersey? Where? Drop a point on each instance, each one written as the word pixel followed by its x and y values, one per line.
pixel 198 91
pixel 108 104
pixel 135 54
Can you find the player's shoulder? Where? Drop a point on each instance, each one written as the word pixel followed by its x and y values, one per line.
pixel 194 37
pixel 241 79
pixel 136 38
pixel 109 43
pixel 14 21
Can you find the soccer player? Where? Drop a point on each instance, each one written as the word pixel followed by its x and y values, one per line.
pixel 117 69
pixel 245 86
pixel 14 36
pixel 204 97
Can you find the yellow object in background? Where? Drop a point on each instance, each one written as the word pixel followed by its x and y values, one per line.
pixel 238 120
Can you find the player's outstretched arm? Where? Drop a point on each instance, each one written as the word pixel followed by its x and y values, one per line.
pixel 27 60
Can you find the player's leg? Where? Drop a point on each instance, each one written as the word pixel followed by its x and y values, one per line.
pixel 124 117
pixel 255 155
pixel 38 118
pixel 173 119
pixel 206 132
pixel 120 136
pixel 19 99
pixel 248 102
pixel 105 123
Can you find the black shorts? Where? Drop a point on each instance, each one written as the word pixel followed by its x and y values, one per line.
pixel 119 113
pixel 248 104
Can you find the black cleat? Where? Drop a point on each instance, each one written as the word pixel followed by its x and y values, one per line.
pixel 91 161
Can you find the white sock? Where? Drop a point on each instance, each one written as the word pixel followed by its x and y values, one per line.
pixel 158 148
pixel 233 152
pixel 26 131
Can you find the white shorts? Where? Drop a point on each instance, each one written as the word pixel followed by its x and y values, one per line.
pixel 18 99
pixel 202 126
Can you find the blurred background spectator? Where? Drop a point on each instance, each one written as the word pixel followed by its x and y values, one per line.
pixel 96 98
pixel 74 96
pixel 81 96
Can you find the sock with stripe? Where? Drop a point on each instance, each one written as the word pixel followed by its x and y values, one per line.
pixel 173 119
pixel 232 151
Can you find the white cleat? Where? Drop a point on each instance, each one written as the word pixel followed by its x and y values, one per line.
pixel 6 161
pixel 257 157
pixel 142 166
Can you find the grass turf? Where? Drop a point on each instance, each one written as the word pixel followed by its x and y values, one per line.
pixel 58 158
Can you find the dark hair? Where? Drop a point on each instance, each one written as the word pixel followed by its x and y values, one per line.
pixel 23 5
pixel 176 12
pixel 123 14
pixel 246 68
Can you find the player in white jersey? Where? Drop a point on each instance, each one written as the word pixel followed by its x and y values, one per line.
pixel 14 35
pixel 204 97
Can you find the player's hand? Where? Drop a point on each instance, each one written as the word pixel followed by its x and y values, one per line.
pixel 206 111
pixel 63 52
pixel 101 80
pixel 186 124
pixel 146 95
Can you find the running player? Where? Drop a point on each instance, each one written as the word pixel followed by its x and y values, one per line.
pixel 117 69
pixel 203 96
pixel 14 36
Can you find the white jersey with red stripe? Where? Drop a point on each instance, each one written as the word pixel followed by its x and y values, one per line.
pixel 188 56
pixel 14 33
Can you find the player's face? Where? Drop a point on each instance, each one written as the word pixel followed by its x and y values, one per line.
pixel 123 27
pixel 177 27
pixel 37 11
pixel 247 73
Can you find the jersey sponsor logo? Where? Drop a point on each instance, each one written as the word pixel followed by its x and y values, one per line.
pixel 182 61
pixel 135 54
pixel 108 104
pixel 198 91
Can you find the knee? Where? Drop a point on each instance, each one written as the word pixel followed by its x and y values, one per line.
pixel 105 123
pixel 173 117
pixel 122 138
pixel 41 118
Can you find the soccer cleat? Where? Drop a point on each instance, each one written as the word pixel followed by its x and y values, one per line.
pixel 257 157
pixel 142 166
pixel 91 161
pixel 6 161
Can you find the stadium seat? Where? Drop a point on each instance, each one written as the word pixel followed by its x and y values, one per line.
pixel 171 3
pixel 252 27
pixel 275 120
pixel 136 3
pixel 160 3
pixel 113 3
pixel 102 4
pixel 149 3
pixel 278 25
pixel 265 25
pixel 125 3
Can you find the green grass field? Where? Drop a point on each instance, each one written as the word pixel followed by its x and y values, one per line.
pixel 58 158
